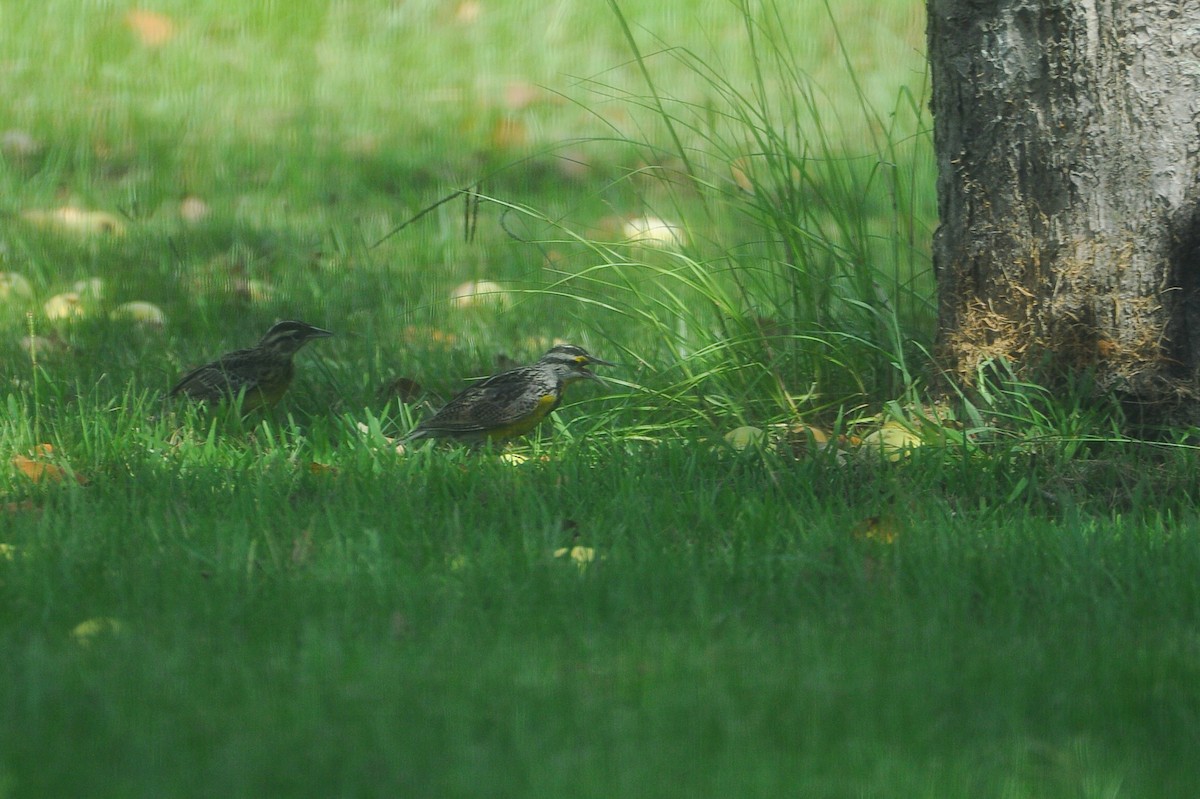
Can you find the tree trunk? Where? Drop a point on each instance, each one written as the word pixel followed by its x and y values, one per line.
pixel 1068 147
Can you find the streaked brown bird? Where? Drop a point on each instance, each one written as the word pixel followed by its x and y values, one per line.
pixel 511 403
pixel 260 374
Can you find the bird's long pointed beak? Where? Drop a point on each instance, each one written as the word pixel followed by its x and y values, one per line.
pixel 317 332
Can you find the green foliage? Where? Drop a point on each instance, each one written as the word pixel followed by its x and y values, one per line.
pixel 781 266
pixel 283 604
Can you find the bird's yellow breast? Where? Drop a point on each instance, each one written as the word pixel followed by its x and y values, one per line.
pixel 545 404
pixel 268 395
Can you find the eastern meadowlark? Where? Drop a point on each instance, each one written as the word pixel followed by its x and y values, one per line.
pixel 511 403
pixel 260 374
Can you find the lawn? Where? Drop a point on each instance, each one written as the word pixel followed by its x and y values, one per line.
pixel 672 589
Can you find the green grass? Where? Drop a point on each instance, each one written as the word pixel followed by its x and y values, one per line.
pixel 299 610
pixel 402 626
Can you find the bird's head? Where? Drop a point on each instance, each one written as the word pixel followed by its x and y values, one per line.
pixel 570 363
pixel 286 338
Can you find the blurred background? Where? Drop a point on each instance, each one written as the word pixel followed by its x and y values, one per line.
pixel 733 199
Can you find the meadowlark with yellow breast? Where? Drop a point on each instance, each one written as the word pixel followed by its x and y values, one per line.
pixel 511 403
pixel 260 375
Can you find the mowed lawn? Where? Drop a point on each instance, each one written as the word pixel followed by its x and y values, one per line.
pixel 193 604
pixel 727 626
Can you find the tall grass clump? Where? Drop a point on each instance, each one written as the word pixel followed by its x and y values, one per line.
pixel 781 266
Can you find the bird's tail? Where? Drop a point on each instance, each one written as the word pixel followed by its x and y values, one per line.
pixel 416 434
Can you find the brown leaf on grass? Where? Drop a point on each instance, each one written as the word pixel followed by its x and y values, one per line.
pixel 37 471
pixel 468 11
pixel 519 95
pixel 22 506
pixel 150 27
pixel 251 290
pixel 805 441
pixel 509 134
pixel 1107 348
pixel 39 467
pixel 555 259
pixel 428 335
pixel 801 433
pixel 321 469
pixel 738 170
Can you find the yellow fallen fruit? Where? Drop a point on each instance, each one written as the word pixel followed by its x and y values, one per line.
pixel 76 220
pixel 144 313
pixel 654 232
pixel 741 438
pixel 891 442
pixel 478 292
pixel 193 209
pixel 876 528
pixel 579 555
pixel 87 631
pixel 68 305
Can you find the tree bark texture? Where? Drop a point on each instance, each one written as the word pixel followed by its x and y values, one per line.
pixel 1068 146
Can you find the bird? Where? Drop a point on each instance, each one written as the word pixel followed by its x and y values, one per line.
pixel 511 403
pixel 260 374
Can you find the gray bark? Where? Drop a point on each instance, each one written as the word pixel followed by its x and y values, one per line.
pixel 1068 145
